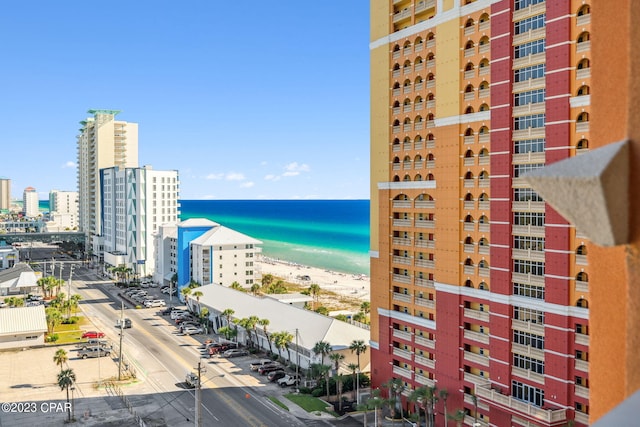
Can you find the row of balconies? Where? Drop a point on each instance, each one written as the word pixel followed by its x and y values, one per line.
pixel 482 71
pixel 409 299
pixel 469 205
pixel 482 93
pixel 471 226
pixel 549 416
pixel 470 270
pixel 416 145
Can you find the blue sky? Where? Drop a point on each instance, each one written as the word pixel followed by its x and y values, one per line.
pixel 269 99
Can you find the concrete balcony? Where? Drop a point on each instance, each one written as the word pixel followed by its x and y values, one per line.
pixel 469 249
pixel 431 63
pixel 528 36
pixel 406 108
pixel 469 30
pixel 483 205
pixel 530 10
pixel 538 107
pixel 476 379
pixel 431 43
pixel 527 278
pixel 582 391
pixel 483 138
pixel 476 336
pixel 426 263
pixel 482 316
pixel 418 86
pixel 431 244
pixel 583 73
pixel 582 286
pixel 476 358
pixel 425 204
pixel 404 335
pixel 484 71
pixel 469 183
pixel 396 92
pixel 484 272
pixel 581 260
pixel 472 421
pixel 403 372
pixel 395 54
pixel 469 52
pixel 401 241
pixel 431 103
pixel 400 278
pixel 528 230
pixel 535 328
pixel 470 139
pixel 548 416
pixel 418 145
pixel 469 96
pixel 529 133
pixel 582 339
pixel 528 60
pixel 425 361
pixel 469 226
pixel 484 93
pixel 424 342
pixel 405 354
pixel 582 127
pixel 424 302
pixel 484 48
pixel 528 254
pixel 469 205
pixel 468 398
pixel 484 249
pixel 402 223
pixel 583 20
pixel 582 418
pixel 469 161
pixel 469 270
pixel 402 297
pixel 425 5
pixel 401 16
pixel 431 143
pixel 421 379
pixel 469 74
pixel 583 46
pixel 401 203
pixel 484 227
pixel 528 206
pixel 530 375
pixel 425 283
pixel 418 67
pixel 582 365
pixel 422 223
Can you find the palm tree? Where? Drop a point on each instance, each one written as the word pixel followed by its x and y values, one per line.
pixel 283 340
pixel 252 323
pixel 336 358
pixel 186 291
pixel 365 307
pixel 354 371
pixel 237 286
pixel 198 294
pixel 444 394
pixel 322 348
pixel 53 317
pixel 227 313
pixel 426 397
pixel 74 303
pixel 265 323
pixel 255 288
pixel 358 347
pixel 267 279
pixel 396 387
pixel 60 358
pixel 227 331
pixel 457 416
pixel 66 378
pixel 314 291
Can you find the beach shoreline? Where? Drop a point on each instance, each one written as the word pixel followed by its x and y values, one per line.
pixel 352 285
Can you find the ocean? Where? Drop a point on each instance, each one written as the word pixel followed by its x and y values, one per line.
pixel 328 234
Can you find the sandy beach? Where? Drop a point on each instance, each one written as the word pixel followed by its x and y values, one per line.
pixel 355 286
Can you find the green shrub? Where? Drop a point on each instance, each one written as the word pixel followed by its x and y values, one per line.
pixel 317 392
pixel 305 390
pixel 52 338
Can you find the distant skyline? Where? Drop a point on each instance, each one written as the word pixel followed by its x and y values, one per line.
pixel 265 101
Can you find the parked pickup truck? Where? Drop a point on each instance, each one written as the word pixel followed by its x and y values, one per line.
pixel 94 342
pixel 94 352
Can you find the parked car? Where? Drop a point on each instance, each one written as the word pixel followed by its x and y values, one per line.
pixel 177 313
pixel 155 303
pixel 191 380
pixel 92 343
pixel 288 380
pixel 264 370
pixel 3 304
pixel 234 352
pixel 93 334
pixel 94 352
pixel 258 363
pixel 189 324
pixel 274 376
pixel 123 323
pixel 192 330
pixel 144 284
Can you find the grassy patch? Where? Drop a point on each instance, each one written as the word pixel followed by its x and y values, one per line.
pixel 69 337
pixel 308 403
pixel 277 402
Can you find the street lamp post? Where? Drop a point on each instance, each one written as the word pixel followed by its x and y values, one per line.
pixel 73 409
pixel 358 386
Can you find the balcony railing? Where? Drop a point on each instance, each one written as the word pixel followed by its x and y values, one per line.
pixel 528 206
pixel 425 283
pixel 422 243
pixel 425 204
pixel 537 58
pixel 424 342
pixel 469 96
pixel 469 74
pixel 483 205
pixel 582 339
pixel 582 127
pixel 469 30
pixel 476 379
pixel 548 416
pixel 527 350
pixel 583 20
pixel 581 260
pixel 583 46
pixel 425 361
pixel 469 270
pixel 403 372
pixel 405 354
pixel 538 107
pixel 582 365
pixel 401 241
pixel 469 248
pixel 469 139
pixel 426 263
pixel 401 203
pixel 530 10
pixel 421 379
pixel 582 391
pixel 401 223
pixel 528 230
pixel 397 333
pixel 400 278
pixel 401 15
pixel 422 223
pixel 482 316
pixel 536 328
pixel 582 286
pixel 476 336
pixel 476 358
pixel 530 375
pixel 402 297
pixel 529 255
pixel 424 5
pixel 483 271
pixel 583 73
pixel 424 302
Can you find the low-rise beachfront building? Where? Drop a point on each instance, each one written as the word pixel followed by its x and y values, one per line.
pixel 165 243
pixel 207 252
pixel 18 280
pixel 305 327
pixel 22 327
pixel 9 256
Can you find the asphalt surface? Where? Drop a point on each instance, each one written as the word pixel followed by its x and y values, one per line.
pixel 232 395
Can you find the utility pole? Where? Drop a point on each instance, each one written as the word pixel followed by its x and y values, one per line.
pixel 121 336
pixel 297 363
pixel 69 289
pixel 198 408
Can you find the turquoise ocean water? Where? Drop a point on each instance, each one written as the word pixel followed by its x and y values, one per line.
pixel 328 234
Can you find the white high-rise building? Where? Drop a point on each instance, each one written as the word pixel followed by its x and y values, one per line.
pixel 5 193
pixel 135 203
pixel 63 207
pixel 103 142
pixel 30 203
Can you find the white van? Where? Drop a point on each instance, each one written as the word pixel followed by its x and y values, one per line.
pixel 155 303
